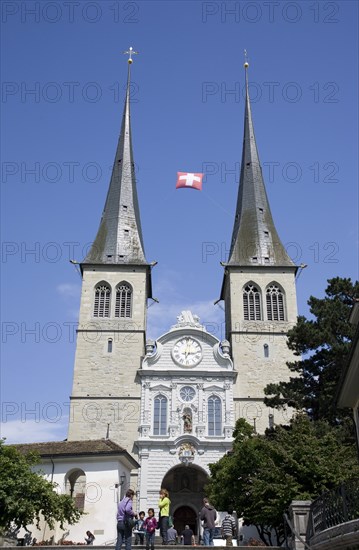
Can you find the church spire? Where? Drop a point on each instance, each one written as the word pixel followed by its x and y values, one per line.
pixel 119 237
pixel 255 240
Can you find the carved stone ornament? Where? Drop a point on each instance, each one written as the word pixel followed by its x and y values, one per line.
pixel 226 346
pixel 173 431
pixel 150 347
pixel 187 319
pixel 186 450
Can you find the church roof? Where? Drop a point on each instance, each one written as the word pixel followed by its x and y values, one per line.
pixel 119 237
pixel 255 240
pixel 66 448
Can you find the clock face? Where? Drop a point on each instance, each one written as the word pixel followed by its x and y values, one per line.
pixel 187 352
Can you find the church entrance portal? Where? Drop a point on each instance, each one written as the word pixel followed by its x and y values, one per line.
pixel 185 485
pixel 184 515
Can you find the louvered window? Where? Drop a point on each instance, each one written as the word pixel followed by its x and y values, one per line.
pixel 275 304
pixel 160 415
pixel 214 415
pixel 123 307
pixel 252 303
pixel 102 301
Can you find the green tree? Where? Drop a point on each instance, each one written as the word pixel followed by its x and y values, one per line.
pixel 264 473
pixel 26 496
pixel 324 343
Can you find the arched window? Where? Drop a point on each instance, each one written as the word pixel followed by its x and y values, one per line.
pixel 75 486
pixel 266 350
pixel 275 303
pixel 123 307
pixel 214 415
pixel 251 303
pixel 109 345
pixel 160 415
pixel 102 300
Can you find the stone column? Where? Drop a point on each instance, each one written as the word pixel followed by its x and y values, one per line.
pixel 299 516
pixel 200 403
pixel 142 501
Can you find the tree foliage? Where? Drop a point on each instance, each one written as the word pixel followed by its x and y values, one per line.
pixel 26 496
pixel 324 343
pixel 264 473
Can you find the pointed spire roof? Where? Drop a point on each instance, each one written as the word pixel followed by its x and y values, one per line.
pixel 119 237
pixel 255 240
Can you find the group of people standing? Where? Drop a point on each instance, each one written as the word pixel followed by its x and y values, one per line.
pixel 145 528
pixel 208 515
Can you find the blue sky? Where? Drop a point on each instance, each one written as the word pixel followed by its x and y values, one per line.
pixel 59 140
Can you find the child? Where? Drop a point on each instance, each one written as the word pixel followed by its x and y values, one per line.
pixel 150 526
pixel 139 531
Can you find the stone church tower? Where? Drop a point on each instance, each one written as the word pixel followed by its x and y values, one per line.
pixel 258 291
pixel 138 393
pixel 170 405
pixel 116 284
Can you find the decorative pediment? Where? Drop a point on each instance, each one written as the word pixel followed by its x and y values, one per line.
pixel 160 387
pixel 214 387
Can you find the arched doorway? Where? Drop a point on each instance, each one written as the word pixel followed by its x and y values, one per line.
pixel 75 486
pixel 184 515
pixel 185 485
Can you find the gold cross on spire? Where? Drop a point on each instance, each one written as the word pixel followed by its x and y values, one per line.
pixel 130 53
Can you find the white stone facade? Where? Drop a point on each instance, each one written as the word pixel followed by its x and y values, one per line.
pixel 191 433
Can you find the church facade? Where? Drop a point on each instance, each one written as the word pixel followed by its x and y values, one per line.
pixel 172 404
pixel 187 416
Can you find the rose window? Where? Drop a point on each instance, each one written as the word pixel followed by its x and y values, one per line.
pixel 187 393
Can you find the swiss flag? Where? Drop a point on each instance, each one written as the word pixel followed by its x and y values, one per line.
pixel 188 179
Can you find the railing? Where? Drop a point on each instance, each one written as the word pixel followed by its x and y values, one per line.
pixel 334 507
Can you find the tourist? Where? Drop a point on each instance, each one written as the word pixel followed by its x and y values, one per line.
pixel 187 536
pixel 125 521
pixel 172 536
pixel 89 537
pixel 228 529
pixel 138 530
pixel 150 526
pixel 208 515
pixel 164 506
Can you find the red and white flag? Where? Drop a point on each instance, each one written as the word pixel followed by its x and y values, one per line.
pixel 187 179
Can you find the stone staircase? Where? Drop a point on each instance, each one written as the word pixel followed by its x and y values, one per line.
pixel 142 547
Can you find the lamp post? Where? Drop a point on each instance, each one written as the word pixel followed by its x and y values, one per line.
pixel 120 484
